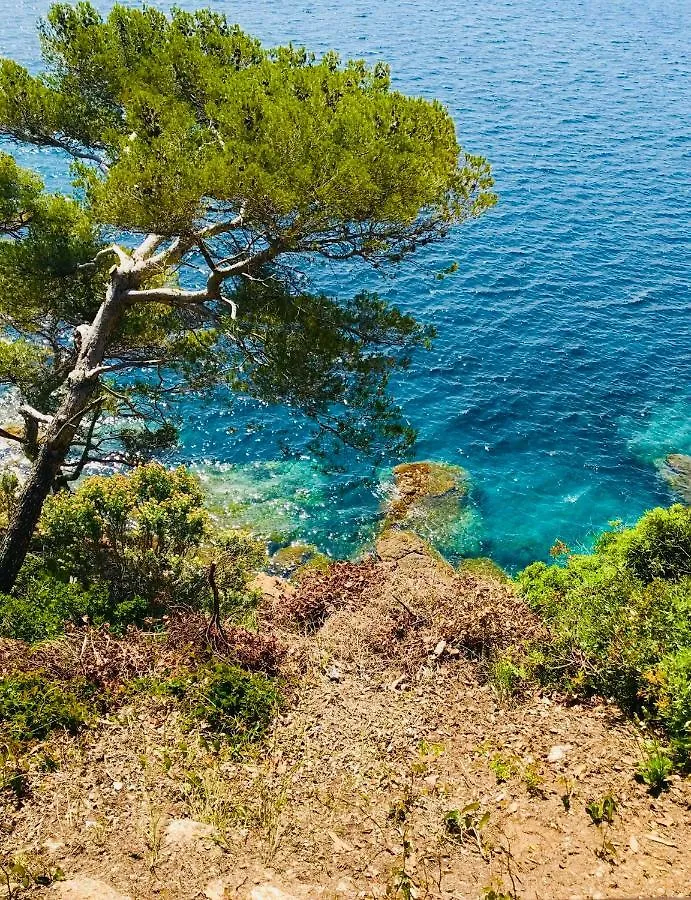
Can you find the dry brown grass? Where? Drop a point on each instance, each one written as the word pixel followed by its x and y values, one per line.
pixel 390 729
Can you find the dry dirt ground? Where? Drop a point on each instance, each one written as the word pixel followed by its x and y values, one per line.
pixel 393 771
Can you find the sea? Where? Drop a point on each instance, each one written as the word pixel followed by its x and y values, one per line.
pixel 560 378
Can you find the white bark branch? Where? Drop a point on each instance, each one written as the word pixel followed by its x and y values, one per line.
pixel 222 227
pixel 117 367
pixel 123 258
pixel 148 246
pixel 31 413
pixel 170 296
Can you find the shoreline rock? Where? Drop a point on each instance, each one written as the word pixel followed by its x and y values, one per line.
pixel 676 470
pixel 427 498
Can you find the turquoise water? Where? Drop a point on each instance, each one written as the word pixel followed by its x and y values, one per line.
pixel 561 372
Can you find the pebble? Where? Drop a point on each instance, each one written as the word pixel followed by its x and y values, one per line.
pixel 86 889
pixel 558 752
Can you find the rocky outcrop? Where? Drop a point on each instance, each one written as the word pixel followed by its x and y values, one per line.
pixel 428 499
pixel 676 470
pixel 295 558
pixel 421 485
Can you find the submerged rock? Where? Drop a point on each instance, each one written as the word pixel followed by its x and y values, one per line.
pixel 295 558
pixel 676 470
pixel 428 499
pixel 420 483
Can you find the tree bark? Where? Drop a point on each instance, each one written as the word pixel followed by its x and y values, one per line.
pixel 82 385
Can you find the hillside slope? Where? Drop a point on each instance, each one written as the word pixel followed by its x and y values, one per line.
pixel 393 769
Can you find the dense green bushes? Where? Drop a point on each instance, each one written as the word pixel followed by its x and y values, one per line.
pixel 620 620
pixel 132 535
pixel 122 549
pixel 129 549
pixel 227 700
pixel 232 702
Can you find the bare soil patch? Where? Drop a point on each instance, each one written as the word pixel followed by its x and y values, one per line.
pixel 392 771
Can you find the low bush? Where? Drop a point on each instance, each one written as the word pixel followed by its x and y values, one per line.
pixel 43 604
pixel 620 620
pixel 125 550
pixel 226 700
pixel 32 705
pixel 132 537
pixel 233 702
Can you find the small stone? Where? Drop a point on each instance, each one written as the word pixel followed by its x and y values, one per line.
pixel 86 889
pixel 179 832
pixel 117 786
pixel 558 752
pixel 270 892
pixel 439 649
pixel 215 890
pixel 333 674
pixel 52 846
pixel 633 844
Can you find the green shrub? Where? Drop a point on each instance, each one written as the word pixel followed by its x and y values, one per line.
pixel 233 702
pixel 133 535
pixel 659 546
pixel 42 605
pixel 655 768
pixel 506 675
pixel 229 701
pixel 31 706
pixel 42 611
pixel 123 549
pixel 620 620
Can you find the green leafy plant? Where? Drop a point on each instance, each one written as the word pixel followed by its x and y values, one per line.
pixel 229 702
pixel 13 771
pixel 620 621
pixel 32 705
pixel 506 675
pixel 568 786
pixel 28 871
pixel 655 767
pixel 532 779
pixel 468 824
pixel 602 810
pixel 496 893
pixel 503 767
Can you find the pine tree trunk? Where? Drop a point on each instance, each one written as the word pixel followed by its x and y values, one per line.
pixel 82 386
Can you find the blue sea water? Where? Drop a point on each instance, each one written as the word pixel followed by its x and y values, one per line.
pixel 561 372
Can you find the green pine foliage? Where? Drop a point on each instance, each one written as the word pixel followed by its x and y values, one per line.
pixel 620 620
pixel 178 125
